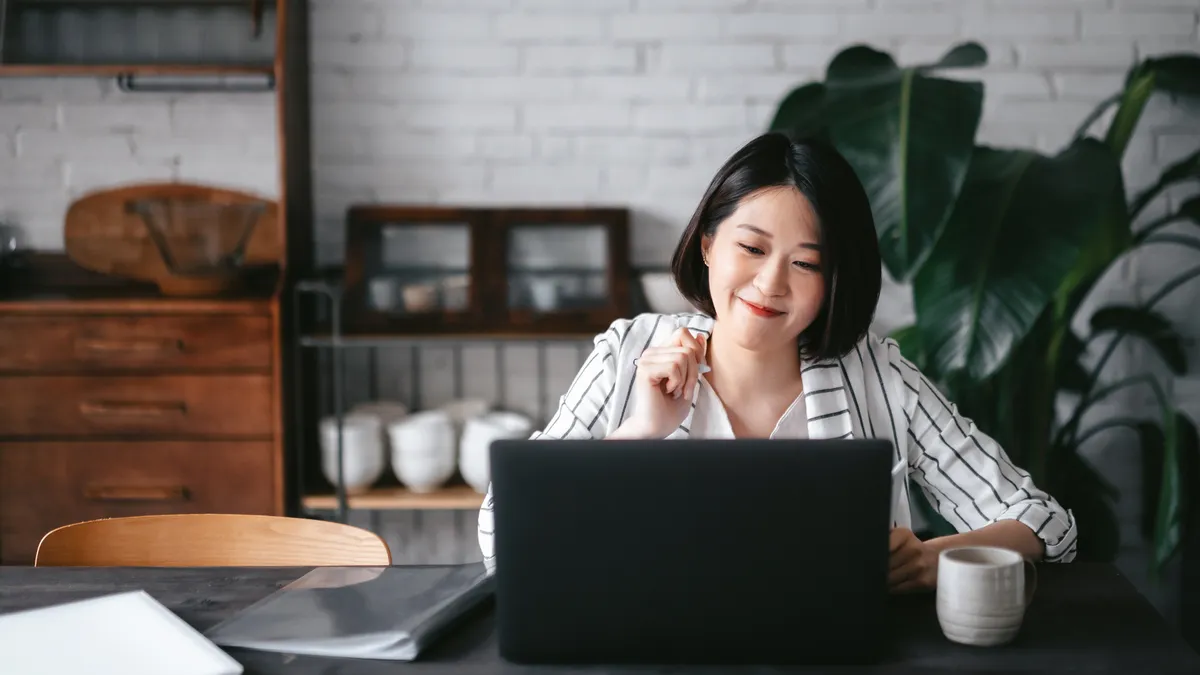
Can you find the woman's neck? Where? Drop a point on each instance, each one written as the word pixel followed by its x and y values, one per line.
pixel 741 372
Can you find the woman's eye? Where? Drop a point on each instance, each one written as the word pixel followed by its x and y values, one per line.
pixel 807 265
pixel 751 249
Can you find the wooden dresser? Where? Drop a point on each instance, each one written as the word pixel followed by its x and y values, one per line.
pixel 117 401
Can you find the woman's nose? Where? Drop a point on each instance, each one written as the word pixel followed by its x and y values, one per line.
pixel 771 279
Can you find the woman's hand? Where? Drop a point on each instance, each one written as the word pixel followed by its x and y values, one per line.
pixel 666 377
pixel 913 563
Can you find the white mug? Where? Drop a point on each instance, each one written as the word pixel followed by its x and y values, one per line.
pixel 982 594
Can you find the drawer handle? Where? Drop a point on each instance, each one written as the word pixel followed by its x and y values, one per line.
pixel 132 408
pixel 131 347
pixel 118 493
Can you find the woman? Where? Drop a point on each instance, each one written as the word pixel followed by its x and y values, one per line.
pixel 781 256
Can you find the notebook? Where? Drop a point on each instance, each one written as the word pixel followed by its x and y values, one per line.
pixel 119 634
pixel 389 613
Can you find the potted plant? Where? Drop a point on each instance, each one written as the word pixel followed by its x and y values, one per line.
pixel 1001 246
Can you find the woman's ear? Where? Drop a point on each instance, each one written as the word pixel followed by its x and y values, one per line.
pixel 705 245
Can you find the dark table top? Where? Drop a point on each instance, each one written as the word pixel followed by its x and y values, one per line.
pixel 1086 618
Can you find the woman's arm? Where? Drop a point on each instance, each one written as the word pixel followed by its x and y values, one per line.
pixel 582 414
pixel 972 482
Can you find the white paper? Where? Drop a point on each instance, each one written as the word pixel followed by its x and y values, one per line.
pixel 120 634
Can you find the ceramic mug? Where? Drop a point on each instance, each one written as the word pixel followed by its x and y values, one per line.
pixel 982 594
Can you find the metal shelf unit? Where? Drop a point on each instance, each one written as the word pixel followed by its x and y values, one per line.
pixel 336 344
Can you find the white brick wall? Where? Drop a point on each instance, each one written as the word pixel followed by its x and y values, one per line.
pixel 62 137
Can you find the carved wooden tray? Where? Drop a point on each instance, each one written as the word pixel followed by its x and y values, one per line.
pixel 101 235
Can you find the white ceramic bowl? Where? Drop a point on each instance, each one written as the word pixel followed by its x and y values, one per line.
pixel 474 461
pixel 422 447
pixel 362 451
pixel 662 295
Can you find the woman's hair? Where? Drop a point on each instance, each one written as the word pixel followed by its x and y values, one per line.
pixel 850 259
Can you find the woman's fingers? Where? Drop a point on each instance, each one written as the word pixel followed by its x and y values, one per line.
pixel 697 355
pixel 674 366
pixel 666 370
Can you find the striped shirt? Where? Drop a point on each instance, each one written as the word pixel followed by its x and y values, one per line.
pixel 872 392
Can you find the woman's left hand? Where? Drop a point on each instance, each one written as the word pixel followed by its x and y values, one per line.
pixel 913 562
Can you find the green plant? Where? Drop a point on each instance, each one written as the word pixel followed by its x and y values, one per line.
pixel 1001 246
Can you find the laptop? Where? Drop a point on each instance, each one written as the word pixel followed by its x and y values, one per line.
pixel 749 551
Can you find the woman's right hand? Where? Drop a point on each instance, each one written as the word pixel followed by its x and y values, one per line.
pixel 666 377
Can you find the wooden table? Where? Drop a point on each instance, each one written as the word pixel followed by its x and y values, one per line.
pixel 1086 618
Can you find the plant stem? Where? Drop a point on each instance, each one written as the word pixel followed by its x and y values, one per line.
pixel 1068 429
pixel 1130 422
pixel 1095 115
pixel 1154 225
pixel 1143 200
pixel 1190 242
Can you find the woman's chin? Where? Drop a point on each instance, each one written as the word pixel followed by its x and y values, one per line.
pixel 755 334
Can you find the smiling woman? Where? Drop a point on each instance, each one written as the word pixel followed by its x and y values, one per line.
pixel 782 259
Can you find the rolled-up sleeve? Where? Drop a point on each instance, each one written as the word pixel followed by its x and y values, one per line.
pixel 582 414
pixel 969 478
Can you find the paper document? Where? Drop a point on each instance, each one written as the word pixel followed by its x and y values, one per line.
pixel 359 612
pixel 120 634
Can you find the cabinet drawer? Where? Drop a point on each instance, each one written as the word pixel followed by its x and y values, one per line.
pixel 46 485
pixel 58 343
pixel 210 406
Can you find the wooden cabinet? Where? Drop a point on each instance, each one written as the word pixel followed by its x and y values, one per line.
pixel 46 484
pixel 118 402
pixel 429 270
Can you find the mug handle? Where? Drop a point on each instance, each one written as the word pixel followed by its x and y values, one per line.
pixel 1031 578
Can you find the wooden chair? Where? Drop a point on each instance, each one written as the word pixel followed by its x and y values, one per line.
pixel 210 540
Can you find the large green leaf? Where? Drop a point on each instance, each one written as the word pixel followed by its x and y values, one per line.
pixel 1180 438
pixel 1152 441
pixel 1188 211
pixel 801 112
pixel 909 136
pixel 1187 168
pixel 1177 75
pixel 1071 375
pixel 909 340
pixel 1148 325
pixel 1078 487
pixel 1017 230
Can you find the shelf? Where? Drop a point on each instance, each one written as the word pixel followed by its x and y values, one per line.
pixel 436 339
pixel 112 70
pixel 461 497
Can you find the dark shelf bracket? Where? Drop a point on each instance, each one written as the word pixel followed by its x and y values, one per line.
pixel 242 83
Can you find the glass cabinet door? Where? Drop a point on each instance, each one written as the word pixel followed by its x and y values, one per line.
pixel 421 269
pixel 557 268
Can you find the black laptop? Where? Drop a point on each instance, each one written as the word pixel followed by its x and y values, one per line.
pixel 747 551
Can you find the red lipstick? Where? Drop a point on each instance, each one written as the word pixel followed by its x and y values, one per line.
pixel 759 310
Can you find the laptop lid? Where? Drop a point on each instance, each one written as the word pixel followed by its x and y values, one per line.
pixel 697 551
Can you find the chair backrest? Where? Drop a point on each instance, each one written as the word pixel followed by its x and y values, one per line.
pixel 211 540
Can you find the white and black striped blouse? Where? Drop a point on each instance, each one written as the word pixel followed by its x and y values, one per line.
pixel 873 392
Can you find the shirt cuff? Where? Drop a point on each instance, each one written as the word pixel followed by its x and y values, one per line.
pixel 1054 525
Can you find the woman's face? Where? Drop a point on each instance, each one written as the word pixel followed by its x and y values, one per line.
pixel 764 269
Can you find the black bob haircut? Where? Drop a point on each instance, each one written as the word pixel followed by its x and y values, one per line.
pixel 850 259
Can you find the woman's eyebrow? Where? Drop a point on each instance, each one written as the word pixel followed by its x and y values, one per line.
pixel 764 233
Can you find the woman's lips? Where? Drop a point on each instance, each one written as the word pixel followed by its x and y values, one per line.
pixel 759 310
